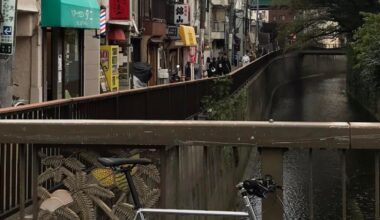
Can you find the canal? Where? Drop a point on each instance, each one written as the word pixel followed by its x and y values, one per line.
pixel 313 179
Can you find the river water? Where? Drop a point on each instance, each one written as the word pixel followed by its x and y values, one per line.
pixel 324 99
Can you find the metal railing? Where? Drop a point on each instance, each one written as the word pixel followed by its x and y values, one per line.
pixel 270 138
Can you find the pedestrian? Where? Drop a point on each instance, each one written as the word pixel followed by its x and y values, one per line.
pixel 245 59
pixel 226 64
pixel 219 66
pixel 187 72
pixel 197 71
pixel 211 67
pixel 141 75
pixel 225 67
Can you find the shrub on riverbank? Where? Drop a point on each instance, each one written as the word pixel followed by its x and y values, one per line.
pixel 364 62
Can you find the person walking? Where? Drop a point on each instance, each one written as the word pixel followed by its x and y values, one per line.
pixel 219 66
pixel 211 67
pixel 227 63
pixel 245 59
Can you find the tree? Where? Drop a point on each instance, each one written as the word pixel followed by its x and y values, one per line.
pixel 318 19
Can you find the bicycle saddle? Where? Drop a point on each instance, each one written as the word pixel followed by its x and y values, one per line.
pixel 114 162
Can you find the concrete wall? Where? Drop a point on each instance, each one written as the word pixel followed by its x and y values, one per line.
pixel 197 177
pixel 27 66
pixel 285 69
pixel 91 63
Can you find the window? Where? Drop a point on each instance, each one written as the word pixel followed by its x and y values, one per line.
pixel 147 8
pixel 283 17
pixel 274 18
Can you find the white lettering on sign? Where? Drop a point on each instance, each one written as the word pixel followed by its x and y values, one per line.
pixel 7 27
pixel 82 14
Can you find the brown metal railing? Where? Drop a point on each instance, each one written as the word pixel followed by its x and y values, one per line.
pixel 167 102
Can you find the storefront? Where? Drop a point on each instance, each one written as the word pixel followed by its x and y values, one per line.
pixel 69 68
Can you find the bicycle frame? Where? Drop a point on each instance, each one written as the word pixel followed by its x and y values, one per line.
pixel 250 214
pixel 183 212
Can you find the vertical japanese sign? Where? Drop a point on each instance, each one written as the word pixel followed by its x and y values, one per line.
pixel 119 10
pixel 182 14
pixel 8 10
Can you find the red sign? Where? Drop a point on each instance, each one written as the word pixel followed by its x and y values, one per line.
pixel 119 9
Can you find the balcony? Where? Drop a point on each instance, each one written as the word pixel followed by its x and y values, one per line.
pixel 220 2
pixel 218 29
pixel 155 27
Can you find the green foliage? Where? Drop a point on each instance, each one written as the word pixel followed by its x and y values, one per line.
pixel 221 104
pixel 364 62
pixel 366 47
pixel 321 19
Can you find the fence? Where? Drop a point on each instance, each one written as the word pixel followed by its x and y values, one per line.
pixel 270 138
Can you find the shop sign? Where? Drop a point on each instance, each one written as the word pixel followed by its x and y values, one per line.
pixel 7 27
pixel 172 31
pixel 119 9
pixel 181 14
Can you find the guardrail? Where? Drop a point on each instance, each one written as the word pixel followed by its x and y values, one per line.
pixel 270 138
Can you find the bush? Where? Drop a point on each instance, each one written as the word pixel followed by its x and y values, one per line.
pixel 364 79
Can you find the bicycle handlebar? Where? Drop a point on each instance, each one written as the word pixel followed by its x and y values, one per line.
pixel 258 187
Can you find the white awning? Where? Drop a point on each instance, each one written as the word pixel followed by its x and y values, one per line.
pixel 27 6
pixel 125 23
pixel 120 22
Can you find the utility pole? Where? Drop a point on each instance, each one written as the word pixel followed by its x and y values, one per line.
pixel 231 34
pixel 246 26
pixel 257 24
pixel 202 34
pixel 6 59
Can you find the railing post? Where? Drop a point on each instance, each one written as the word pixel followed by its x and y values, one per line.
pixel 22 185
pixel 344 185
pixel 377 187
pixel 272 164
pixel 311 188
pixel 35 172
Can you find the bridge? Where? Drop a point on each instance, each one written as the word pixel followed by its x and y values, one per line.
pixel 198 162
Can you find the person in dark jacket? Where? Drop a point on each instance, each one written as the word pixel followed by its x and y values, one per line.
pixel 142 72
pixel 211 67
pixel 187 72
pixel 225 66
pixel 215 64
pixel 219 66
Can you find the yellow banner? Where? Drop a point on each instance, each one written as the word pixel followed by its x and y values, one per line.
pixel 187 35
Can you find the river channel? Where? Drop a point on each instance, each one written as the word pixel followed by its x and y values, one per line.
pixel 313 180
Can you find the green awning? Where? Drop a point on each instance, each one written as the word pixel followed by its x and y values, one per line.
pixel 70 13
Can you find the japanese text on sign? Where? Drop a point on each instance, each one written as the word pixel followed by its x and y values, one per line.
pixel 181 14
pixel 119 10
pixel 8 9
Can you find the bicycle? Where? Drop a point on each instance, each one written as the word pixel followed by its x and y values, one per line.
pixel 247 189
